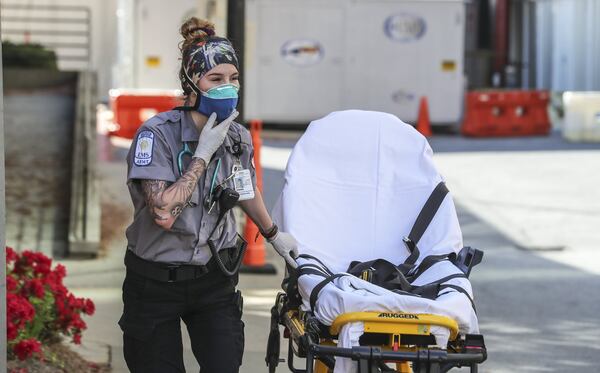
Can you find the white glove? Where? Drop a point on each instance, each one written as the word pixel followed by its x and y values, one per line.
pixel 213 136
pixel 285 244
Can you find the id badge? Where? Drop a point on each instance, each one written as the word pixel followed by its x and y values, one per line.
pixel 242 182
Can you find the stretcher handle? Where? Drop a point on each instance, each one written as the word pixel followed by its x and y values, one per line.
pixel 403 318
pixel 421 355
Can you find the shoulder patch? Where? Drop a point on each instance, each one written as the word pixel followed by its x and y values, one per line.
pixel 143 148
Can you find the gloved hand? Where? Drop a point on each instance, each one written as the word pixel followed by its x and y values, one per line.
pixel 285 244
pixel 212 137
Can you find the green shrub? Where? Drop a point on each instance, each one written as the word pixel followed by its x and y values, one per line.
pixel 27 56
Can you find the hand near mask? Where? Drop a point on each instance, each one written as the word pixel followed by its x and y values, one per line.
pixel 213 136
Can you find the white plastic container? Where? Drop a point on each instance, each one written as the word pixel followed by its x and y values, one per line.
pixel 582 116
pixel 307 58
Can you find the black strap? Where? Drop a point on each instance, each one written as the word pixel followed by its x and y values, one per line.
pixel 451 277
pixel 308 256
pixel 409 263
pixel 290 284
pixel 425 264
pixel 183 108
pixel 460 290
pixel 314 294
pixel 423 220
pixel 308 269
pixel 431 291
pixel 428 212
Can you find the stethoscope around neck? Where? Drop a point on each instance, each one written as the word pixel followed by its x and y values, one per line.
pixel 235 150
pixel 225 197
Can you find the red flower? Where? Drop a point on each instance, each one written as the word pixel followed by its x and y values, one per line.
pixel 89 308
pixel 77 339
pixel 31 276
pixel 27 347
pixel 60 272
pixel 11 331
pixel 11 255
pixel 11 283
pixel 37 261
pixel 56 287
pixel 19 309
pixel 34 287
pixel 77 322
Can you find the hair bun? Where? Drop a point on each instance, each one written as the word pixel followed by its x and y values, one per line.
pixel 195 28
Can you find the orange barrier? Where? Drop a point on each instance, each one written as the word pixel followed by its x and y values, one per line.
pixel 506 113
pixel 254 259
pixel 423 123
pixel 133 107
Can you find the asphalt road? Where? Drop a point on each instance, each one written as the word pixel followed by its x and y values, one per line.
pixel 537 315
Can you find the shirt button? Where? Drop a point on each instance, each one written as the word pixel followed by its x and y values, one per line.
pixel 176 116
pixel 204 224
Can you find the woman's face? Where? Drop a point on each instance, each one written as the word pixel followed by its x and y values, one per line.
pixel 221 74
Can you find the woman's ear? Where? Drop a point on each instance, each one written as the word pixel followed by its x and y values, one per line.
pixel 191 98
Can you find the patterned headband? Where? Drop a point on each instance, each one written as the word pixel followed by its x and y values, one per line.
pixel 206 54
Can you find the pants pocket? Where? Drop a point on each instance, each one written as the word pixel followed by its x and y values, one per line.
pixel 136 327
pixel 132 322
pixel 238 303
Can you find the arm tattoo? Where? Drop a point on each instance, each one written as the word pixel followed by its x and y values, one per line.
pixel 153 190
pixel 166 203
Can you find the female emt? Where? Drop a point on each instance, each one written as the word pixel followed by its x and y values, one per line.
pixel 186 168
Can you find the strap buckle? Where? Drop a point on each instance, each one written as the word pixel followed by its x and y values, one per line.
pixel 172 272
pixel 410 244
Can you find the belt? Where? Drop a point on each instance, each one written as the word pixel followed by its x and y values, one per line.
pixel 166 272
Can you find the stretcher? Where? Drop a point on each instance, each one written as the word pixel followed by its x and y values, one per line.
pixel 382 277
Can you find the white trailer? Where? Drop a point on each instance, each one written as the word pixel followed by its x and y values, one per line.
pixel 307 58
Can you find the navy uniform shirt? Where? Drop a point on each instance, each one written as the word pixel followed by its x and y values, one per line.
pixel 154 155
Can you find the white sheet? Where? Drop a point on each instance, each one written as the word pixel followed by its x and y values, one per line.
pixel 354 184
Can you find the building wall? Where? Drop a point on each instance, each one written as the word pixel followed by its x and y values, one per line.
pixel 567 45
pixel 101 40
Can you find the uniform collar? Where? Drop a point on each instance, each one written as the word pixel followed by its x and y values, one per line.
pixel 189 132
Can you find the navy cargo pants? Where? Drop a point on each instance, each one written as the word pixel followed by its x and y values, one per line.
pixel 210 308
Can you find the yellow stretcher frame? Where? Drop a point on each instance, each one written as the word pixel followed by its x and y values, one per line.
pixel 316 346
pixel 395 324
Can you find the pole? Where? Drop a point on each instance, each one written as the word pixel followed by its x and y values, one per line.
pixel 2 237
pixel 236 25
pixel 501 36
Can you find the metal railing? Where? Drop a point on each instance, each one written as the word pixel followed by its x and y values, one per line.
pixel 65 29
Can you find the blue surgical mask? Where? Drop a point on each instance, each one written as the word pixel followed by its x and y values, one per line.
pixel 222 100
